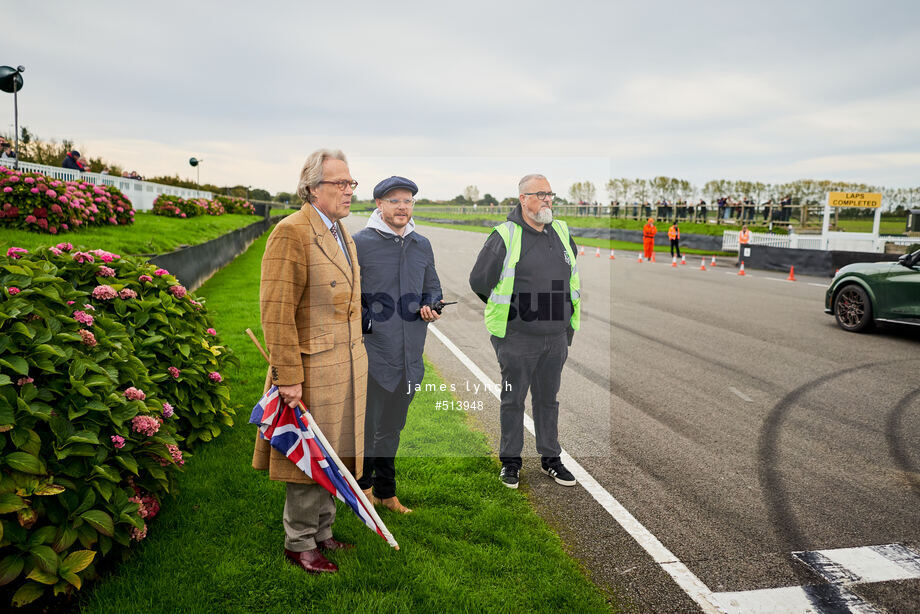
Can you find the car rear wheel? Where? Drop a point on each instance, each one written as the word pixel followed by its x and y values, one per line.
pixel 853 309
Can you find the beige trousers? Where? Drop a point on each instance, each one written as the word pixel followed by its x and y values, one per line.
pixel 309 511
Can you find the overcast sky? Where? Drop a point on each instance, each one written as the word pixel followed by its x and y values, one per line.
pixel 471 92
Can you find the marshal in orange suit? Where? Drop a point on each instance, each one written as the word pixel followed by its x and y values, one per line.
pixel 648 238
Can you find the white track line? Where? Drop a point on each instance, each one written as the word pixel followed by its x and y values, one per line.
pixel 740 394
pixel 679 572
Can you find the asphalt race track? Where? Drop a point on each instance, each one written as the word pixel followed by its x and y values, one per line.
pixel 733 420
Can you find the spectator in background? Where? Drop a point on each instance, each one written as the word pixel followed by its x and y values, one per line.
pixel 84 163
pixel 104 171
pixel 6 151
pixel 72 161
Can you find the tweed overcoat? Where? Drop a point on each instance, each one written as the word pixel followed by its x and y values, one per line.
pixel 310 303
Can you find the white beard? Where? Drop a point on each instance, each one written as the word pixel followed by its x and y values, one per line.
pixel 545 216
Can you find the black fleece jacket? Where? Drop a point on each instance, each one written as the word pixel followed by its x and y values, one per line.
pixel 541 304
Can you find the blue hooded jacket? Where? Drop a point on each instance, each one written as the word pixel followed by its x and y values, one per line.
pixel 397 279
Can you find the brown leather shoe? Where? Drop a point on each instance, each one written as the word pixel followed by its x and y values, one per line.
pixel 392 503
pixel 333 544
pixel 311 561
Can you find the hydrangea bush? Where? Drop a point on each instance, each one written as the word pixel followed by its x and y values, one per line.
pixel 108 369
pixel 174 206
pixel 35 202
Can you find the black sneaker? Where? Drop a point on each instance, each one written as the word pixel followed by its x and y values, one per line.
pixel 554 468
pixel 509 476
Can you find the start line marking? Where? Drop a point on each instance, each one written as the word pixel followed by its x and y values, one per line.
pixel 840 567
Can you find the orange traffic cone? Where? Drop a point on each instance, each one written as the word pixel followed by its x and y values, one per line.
pixel 612 257
pixel 683 259
pixel 674 261
pixel 597 254
pixel 741 270
pixel 713 263
pixel 640 258
pixel 791 274
pixel 702 264
pixel 581 250
pixel 652 259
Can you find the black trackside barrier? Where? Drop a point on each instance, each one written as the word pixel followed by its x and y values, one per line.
pixel 693 241
pixel 808 261
pixel 193 265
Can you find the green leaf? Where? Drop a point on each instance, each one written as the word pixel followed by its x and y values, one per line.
pixel 50 349
pixel 104 488
pixel 42 536
pixel 47 558
pixel 151 340
pixel 5 379
pixel 77 561
pixel 49 489
pixel 88 500
pixel 10 502
pixel 25 462
pixel 39 575
pixel 100 521
pixel 106 472
pixel 27 593
pixel 72 578
pixel 24 330
pixel 83 437
pixel 10 567
pixel 127 461
pixel 16 363
pixel 65 539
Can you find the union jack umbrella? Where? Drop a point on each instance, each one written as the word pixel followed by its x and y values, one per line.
pixel 294 433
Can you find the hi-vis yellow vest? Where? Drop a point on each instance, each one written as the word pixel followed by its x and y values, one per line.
pixel 499 304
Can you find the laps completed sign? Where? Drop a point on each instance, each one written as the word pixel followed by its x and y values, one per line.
pixel 854 199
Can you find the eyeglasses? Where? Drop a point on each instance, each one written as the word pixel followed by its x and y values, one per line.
pixel 343 184
pixel 541 195
pixel 395 201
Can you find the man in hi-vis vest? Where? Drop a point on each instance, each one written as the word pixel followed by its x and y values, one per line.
pixel 526 275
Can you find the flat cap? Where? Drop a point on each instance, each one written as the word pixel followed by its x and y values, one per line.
pixel 392 183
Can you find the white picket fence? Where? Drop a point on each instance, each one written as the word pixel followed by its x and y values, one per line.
pixel 839 241
pixel 140 193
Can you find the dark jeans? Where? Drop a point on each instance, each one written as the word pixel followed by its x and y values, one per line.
pixel 384 419
pixel 530 362
pixel 675 244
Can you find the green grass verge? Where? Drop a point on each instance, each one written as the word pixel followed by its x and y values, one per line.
pixel 471 544
pixel 150 234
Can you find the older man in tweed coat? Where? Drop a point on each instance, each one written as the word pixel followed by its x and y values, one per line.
pixel 310 301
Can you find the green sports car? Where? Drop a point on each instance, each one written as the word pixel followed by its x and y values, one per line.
pixel 869 292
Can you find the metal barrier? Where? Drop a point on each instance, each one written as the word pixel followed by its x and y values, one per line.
pixel 140 193
pixel 835 241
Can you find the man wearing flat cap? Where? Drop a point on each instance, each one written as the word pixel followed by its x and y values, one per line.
pixel 399 286
pixel 310 303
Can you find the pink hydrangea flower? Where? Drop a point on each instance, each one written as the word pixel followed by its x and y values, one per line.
pixel 55 251
pixel 145 278
pixel 168 410
pixel 127 293
pixel 105 256
pixel 104 293
pixel 70 302
pixel 83 318
pixel 161 272
pixel 178 291
pixel 134 394
pixel 138 534
pixel 145 425
pixel 88 338
pixel 13 290
pixel 16 252
pixel 211 331
pixel 30 219
pixel 29 180
pixel 118 441
pixel 105 271
pixel 51 193
pixel 174 372
pixel 176 454
pixel 82 257
pixel 89 307
pixel 7 189
pixel 196 304
pixel 214 376
pixel 22 381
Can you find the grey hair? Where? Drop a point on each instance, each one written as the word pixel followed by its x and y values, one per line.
pixel 527 179
pixel 312 172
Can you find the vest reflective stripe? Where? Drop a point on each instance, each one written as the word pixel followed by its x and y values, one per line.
pixel 499 304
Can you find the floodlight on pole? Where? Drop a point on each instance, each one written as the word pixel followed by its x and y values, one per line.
pixel 11 81
pixel 195 162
